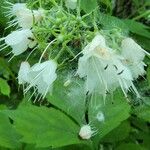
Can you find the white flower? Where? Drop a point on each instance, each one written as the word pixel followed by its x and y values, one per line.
pixel 72 4
pixel 23 73
pixel 133 57
pixel 24 17
pixel 41 76
pixel 132 51
pixel 103 68
pixel 86 132
pixel 19 41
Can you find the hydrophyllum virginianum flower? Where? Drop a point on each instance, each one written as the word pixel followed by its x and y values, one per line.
pixel 86 132
pixel 72 4
pixel 23 73
pixel 19 41
pixel 103 68
pixel 24 17
pixel 40 76
pixel 134 56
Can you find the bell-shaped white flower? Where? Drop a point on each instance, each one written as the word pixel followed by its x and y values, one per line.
pixel 24 17
pixel 19 41
pixel 133 57
pixel 132 51
pixel 103 68
pixel 23 73
pixel 72 4
pixel 41 76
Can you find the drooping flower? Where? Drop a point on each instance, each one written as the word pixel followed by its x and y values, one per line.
pixel 133 57
pixel 103 68
pixel 23 73
pixel 41 76
pixel 19 41
pixel 86 132
pixel 24 17
pixel 72 4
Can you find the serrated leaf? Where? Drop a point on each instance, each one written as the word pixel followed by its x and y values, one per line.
pixel 88 5
pixel 115 110
pixel 8 136
pixel 70 99
pixel 4 87
pixel 44 127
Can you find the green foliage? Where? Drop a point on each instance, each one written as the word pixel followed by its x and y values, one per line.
pixel 120 133
pixel 54 123
pixel 88 5
pixel 8 136
pixel 48 126
pixel 130 146
pixel 138 28
pixel 69 98
pixel 4 87
pixel 115 110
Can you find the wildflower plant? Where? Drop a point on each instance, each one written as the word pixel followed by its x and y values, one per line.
pixel 78 74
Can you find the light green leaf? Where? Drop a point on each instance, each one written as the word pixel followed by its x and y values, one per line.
pixel 88 5
pixel 110 22
pixel 4 87
pixel 8 136
pixel 44 127
pixel 70 98
pixel 114 110
pixel 137 28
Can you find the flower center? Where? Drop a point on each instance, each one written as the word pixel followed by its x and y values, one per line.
pixel 103 52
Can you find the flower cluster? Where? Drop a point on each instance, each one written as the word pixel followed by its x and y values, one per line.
pixel 40 76
pixel 105 69
pixel 24 18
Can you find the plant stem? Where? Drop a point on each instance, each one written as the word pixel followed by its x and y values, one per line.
pixel 142 15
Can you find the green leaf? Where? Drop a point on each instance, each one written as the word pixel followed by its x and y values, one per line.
pixel 110 22
pixel 75 147
pixel 4 87
pixel 142 41
pixel 130 146
pixel 137 28
pixel 70 99
pixel 88 5
pixel 4 69
pixel 32 147
pixel 120 133
pixel 115 110
pixel 143 112
pixel 8 136
pixel 142 136
pixel 44 127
